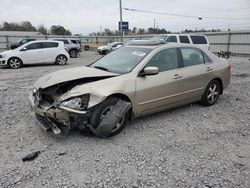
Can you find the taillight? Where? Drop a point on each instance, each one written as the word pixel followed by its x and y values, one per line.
pixel 229 67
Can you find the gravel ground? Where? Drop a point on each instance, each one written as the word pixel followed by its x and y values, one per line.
pixel 189 146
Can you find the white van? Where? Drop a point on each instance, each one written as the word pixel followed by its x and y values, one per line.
pixel 199 40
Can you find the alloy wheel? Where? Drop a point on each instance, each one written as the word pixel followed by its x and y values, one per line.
pixel 61 60
pixel 213 93
pixel 15 63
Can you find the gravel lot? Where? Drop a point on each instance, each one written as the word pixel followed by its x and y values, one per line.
pixel 190 146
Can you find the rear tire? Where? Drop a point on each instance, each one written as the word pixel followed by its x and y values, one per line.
pixel 15 62
pixel 211 94
pixel 102 110
pixel 61 60
pixel 73 53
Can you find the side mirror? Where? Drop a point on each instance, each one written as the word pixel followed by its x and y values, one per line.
pixel 149 71
pixel 23 49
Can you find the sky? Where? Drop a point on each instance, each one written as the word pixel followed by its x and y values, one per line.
pixel 84 17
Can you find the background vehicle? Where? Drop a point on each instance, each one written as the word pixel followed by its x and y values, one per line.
pixel 42 51
pixel 109 48
pixel 20 42
pixel 198 40
pixel 72 46
pixel 130 82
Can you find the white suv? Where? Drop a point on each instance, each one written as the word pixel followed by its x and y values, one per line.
pixel 198 40
pixel 42 51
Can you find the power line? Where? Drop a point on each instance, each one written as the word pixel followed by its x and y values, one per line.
pixel 182 15
pixel 205 7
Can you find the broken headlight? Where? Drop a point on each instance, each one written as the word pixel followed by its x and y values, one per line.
pixel 77 103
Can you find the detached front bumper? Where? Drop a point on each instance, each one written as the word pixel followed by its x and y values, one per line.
pixel 59 120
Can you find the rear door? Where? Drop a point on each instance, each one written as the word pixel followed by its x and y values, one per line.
pixel 156 92
pixel 50 51
pixel 32 53
pixel 197 70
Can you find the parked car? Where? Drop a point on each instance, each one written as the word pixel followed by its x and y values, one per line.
pixel 72 46
pixel 198 40
pixel 42 51
pixel 20 42
pixel 103 50
pixel 130 82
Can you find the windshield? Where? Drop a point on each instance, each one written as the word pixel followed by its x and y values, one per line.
pixel 122 60
pixel 158 38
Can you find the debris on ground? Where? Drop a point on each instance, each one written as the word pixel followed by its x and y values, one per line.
pixel 31 156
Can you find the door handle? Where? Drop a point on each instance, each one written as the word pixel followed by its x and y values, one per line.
pixel 209 68
pixel 176 76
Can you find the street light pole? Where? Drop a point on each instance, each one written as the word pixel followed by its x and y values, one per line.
pixel 121 21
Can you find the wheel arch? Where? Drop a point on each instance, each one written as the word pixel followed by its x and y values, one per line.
pixel 14 57
pixel 62 55
pixel 220 82
pixel 125 98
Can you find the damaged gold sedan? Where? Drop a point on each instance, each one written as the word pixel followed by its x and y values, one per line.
pixel 132 81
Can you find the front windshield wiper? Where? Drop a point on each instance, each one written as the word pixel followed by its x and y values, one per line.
pixel 101 68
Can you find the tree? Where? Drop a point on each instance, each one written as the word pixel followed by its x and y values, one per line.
pixel 27 26
pixel 134 30
pixel 42 29
pixel 59 30
pixel 141 31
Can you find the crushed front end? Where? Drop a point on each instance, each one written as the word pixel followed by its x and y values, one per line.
pixel 59 116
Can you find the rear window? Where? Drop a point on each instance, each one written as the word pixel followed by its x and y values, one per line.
pixel 184 39
pixel 50 44
pixel 198 39
pixel 75 41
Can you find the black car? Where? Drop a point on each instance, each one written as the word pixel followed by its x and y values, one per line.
pixel 20 42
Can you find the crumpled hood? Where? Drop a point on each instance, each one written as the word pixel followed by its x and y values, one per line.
pixel 70 74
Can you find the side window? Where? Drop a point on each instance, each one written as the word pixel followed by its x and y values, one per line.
pixel 191 56
pixel 65 41
pixel 23 41
pixel 165 60
pixel 115 45
pixel 198 39
pixel 171 39
pixel 206 58
pixel 50 44
pixel 184 39
pixel 34 46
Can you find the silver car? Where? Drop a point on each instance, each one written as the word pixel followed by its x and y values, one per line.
pixel 130 82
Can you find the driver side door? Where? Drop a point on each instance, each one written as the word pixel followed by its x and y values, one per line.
pixel 32 53
pixel 161 91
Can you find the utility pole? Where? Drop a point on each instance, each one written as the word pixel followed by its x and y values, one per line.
pixel 121 21
pixel 154 23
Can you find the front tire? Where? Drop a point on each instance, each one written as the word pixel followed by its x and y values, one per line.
pixel 212 93
pixel 15 62
pixel 103 109
pixel 61 60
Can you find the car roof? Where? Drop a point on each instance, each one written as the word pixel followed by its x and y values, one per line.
pixel 36 41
